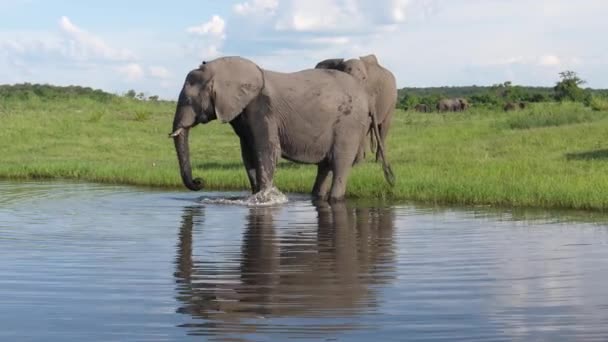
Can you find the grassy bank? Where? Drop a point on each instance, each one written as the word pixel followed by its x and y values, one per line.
pixel 552 155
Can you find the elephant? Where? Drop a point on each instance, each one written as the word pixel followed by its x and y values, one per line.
pixel 452 105
pixel 423 108
pixel 509 106
pixel 311 116
pixel 464 104
pixel 380 85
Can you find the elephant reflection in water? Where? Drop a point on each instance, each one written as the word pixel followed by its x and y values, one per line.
pixel 323 269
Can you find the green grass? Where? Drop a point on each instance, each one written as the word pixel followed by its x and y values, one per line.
pixel 599 103
pixel 552 114
pixel 546 156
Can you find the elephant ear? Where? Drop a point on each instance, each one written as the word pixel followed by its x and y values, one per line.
pixel 332 63
pixel 370 59
pixel 236 82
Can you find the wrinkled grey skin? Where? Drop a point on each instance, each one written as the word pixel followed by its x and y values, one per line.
pixel 312 116
pixel 452 105
pixel 423 108
pixel 379 84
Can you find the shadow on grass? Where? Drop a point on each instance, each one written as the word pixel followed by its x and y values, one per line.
pixel 240 166
pixel 589 155
pixel 216 165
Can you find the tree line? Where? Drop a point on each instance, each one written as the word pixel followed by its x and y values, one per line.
pixel 27 91
pixel 567 88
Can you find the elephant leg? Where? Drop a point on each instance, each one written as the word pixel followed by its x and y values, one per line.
pixel 322 182
pixel 341 170
pixel 241 127
pixel 346 146
pixel 267 150
pixel 249 160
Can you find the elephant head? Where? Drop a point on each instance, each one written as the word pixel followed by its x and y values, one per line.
pixel 355 67
pixel 219 89
pixel 464 104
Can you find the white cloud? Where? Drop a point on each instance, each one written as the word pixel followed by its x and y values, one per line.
pixel 132 72
pixel 549 60
pixel 256 7
pixel 317 15
pixel 399 10
pixel 159 72
pixel 545 60
pixel 216 27
pixel 82 45
pixel 30 46
pixel 78 56
pixel 212 35
pixel 338 40
pixel 424 42
pixel 510 60
pixel 356 16
pixel 305 31
pixel 72 44
pixel 71 49
pixel 209 52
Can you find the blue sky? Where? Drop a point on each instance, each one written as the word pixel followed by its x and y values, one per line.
pixel 150 46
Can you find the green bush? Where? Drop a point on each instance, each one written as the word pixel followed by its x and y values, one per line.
pixel 598 103
pixel 568 88
pixel 552 114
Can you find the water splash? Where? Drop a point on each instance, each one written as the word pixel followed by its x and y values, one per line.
pixel 269 197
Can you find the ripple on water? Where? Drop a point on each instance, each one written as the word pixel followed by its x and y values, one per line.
pixel 269 197
pixel 100 262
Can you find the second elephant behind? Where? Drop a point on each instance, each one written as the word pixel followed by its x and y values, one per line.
pixel 379 83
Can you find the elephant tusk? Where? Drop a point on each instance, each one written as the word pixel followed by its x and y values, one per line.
pixel 176 133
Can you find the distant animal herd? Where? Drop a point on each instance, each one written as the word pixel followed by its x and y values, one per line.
pixel 461 104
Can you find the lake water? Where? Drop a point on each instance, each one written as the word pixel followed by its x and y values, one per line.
pixel 87 262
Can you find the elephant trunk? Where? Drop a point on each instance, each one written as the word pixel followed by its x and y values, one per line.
pixel 180 139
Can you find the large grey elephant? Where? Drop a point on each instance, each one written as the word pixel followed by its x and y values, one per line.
pixel 312 116
pixel 379 84
pixel 452 105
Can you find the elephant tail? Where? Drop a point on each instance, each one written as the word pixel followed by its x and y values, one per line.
pixel 372 141
pixel 386 168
